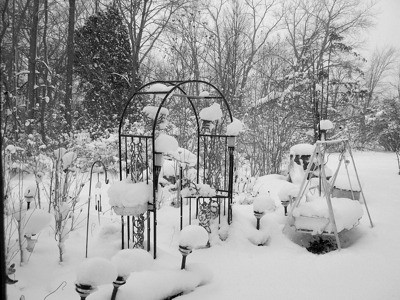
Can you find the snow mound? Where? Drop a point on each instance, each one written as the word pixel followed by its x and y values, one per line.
pixel 193 236
pixel 132 260
pixel 287 191
pixel 151 111
pixel 314 216
pixel 211 113
pixel 204 94
pixel 132 195
pixel 199 189
pixel 165 143
pixel 96 271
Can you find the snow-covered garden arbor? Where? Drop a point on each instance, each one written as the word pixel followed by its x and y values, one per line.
pixel 192 114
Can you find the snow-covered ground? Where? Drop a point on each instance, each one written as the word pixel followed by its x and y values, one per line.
pixel 368 266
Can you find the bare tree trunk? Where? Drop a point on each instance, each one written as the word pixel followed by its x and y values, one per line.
pixel 70 63
pixel 32 61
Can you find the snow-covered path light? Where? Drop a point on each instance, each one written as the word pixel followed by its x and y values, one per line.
pixel 92 273
pixel 191 237
pixel 209 115
pixel 128 261
pixel 260 204
pixel 29 195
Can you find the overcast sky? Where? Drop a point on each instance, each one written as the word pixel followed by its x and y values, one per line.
pixel 387 30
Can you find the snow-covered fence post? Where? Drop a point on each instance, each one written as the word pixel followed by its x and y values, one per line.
pixel 191 237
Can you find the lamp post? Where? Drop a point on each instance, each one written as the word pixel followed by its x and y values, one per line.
pixel 158 161
pixel 117 283
pixel 84 290
pixel 258 215
pixel 231 148
pixel 185 251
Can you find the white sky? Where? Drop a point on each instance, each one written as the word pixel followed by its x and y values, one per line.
pixel 387 30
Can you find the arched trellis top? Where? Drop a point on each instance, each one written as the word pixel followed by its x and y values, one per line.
pixel 137 155
pixel 174 87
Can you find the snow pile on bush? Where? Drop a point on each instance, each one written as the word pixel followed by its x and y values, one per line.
pixel 96 271
pixel 132 195
pixel 234 128
pixel 151 111
pixel 204 94
pixel 211 113
pixel 159 87
pixel 184 156
pixel 314 215
pixel 165 143
pixel 193 236
pixel 132 260
pixel 198 189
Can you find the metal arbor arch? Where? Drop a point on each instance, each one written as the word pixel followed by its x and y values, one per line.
pixel 137 152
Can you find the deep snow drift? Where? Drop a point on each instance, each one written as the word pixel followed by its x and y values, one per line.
pixel 368 266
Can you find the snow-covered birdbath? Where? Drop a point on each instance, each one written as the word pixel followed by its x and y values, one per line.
pixel 191 237
pixel 210 114
pixel 94 272
pixel 261 203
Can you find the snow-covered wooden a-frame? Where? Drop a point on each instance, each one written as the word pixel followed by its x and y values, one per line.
pixel 146 137
pixel 323 213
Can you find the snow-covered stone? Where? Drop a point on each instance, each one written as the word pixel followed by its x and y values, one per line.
pixel 96 271
pixel 165 143
pixel 211 113
pixel 193 236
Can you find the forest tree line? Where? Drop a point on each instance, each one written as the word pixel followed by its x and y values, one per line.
pixel 68 66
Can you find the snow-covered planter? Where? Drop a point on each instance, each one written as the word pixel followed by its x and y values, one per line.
pixel 324 126
pixel 130 199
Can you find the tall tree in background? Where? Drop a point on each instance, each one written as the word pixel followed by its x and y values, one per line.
pixel 70 63
pixel 32 61
pixel 103 57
